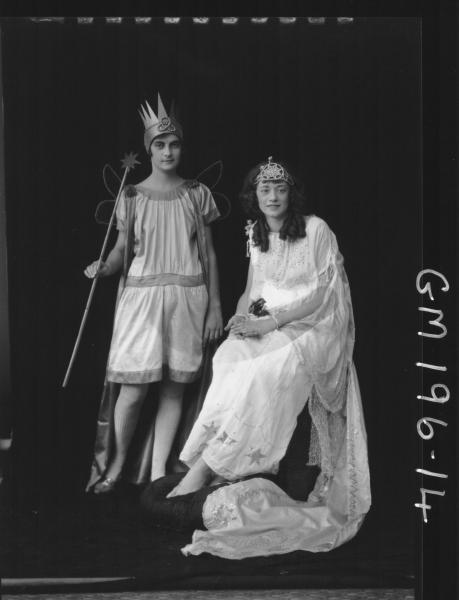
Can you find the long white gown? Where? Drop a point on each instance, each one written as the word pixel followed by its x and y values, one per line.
pixel 259 387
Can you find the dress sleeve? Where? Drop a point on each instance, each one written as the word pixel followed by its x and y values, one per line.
pixel 325 252
pixel 207 205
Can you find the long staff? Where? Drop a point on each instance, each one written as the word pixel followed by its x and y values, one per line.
pixel 128 162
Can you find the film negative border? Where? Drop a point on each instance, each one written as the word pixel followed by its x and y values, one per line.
pixel 195 20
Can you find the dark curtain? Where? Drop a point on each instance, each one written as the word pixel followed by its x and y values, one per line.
pixel 341 104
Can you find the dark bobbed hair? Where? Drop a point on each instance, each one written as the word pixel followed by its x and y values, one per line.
pixel 294 225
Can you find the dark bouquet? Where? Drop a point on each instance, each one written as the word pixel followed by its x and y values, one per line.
pixel 258 308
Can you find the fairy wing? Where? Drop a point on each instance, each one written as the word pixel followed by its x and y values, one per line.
pixel 112 183
pixel 211 177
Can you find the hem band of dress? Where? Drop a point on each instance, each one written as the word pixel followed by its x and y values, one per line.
pixel 152 375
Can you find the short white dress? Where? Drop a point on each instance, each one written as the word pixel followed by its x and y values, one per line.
pixel 160 315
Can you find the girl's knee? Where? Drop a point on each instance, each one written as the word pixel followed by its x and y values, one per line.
pixel 172 389
pixel 132 393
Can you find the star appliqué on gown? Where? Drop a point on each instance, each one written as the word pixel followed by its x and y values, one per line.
pixel 210 429
pixel 226 438
pixel 255 456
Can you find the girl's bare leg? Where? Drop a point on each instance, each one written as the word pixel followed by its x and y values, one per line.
pixel 167 421
pixel 127 410
pixel 195 479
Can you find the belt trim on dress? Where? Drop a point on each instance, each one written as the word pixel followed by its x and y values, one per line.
pixel 165 279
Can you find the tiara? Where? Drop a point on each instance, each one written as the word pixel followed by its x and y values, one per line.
pixel 158 124
pixel 272 171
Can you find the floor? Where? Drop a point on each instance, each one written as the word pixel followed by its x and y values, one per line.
pixel 87 536
pixel 338 594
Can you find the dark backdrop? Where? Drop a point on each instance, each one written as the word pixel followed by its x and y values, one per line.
pixel 341 104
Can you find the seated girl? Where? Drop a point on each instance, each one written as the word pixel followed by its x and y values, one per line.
pixel 297 348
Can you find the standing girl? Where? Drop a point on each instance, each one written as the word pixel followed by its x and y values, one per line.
pixel 168 306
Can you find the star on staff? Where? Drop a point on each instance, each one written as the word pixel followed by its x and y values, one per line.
pixel 256 456
pixel 129 161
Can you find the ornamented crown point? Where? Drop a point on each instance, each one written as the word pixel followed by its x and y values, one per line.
pixel 162 113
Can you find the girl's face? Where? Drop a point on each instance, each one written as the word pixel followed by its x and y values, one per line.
pixel 166 151
pixel 273 198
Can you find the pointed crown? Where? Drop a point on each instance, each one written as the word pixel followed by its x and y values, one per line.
pixel 272 171
pixel 159 124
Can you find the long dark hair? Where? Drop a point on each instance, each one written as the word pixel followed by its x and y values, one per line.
pixel 294 225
